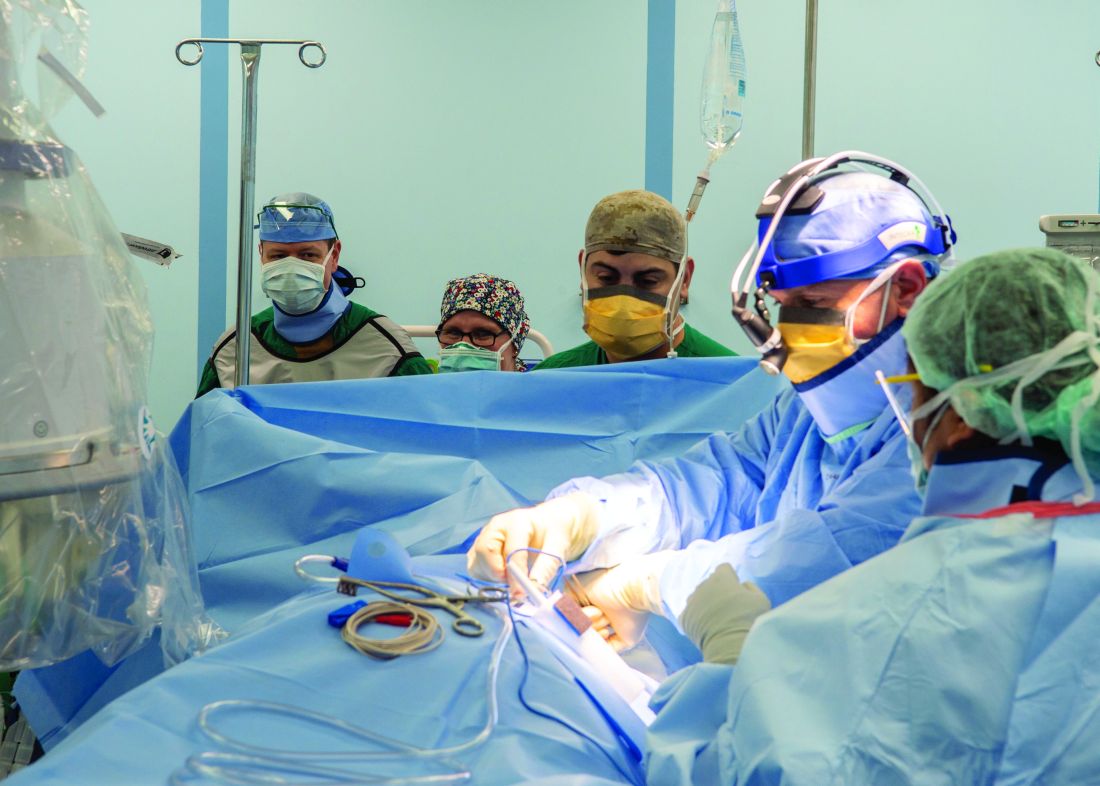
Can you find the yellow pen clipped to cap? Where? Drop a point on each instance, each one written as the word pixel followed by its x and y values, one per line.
pixel 983 368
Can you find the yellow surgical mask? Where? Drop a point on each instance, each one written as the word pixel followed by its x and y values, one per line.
pixel 816 339
pixel 625 321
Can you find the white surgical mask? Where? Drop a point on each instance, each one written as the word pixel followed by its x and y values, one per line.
pixel 295 285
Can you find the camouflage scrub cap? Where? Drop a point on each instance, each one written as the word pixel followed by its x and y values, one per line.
pixel 637 221
pixel 497 298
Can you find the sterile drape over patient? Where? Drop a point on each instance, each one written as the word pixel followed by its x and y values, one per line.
pixel 277 471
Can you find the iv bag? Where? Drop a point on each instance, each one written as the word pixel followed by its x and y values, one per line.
pixel 723 102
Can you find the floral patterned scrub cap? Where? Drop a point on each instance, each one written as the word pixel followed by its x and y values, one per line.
pixel 495 297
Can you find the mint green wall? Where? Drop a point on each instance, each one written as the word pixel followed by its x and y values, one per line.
pixel 453 137
pixel 142 156
pixel 995 105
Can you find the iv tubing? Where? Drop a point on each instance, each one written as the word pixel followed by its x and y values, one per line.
pixel 235 768
pixel 701 181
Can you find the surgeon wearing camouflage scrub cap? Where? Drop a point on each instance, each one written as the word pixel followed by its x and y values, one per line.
pixel 482 316
pixel 635 245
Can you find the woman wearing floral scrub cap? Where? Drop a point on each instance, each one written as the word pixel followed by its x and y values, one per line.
pixel 482 325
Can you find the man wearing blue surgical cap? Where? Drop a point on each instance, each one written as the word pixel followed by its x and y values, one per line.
pixel 816 483
pixel 312 332
pixel 966 654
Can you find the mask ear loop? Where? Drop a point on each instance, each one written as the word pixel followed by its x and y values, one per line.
pixel 672 302
pixel 930 406
pixel 940 412
pixel 500 354
pixel 324 266
pixel 584 277
pixel 886 277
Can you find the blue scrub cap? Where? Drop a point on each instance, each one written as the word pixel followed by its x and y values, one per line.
pixel 862 224
pixel 296 218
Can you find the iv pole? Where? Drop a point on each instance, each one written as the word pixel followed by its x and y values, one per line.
pixel 809 84
pixel 250 63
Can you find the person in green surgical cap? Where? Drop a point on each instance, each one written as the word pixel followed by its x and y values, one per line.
pixel 635 274
pixel 312 332
pixel 964 654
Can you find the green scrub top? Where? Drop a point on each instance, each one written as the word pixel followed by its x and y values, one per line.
pixel 362 343
pixel 694 345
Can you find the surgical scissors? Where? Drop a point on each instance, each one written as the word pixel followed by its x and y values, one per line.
pixel 465 624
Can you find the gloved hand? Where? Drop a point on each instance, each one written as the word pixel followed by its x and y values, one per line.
pixel 622 598
pixel 564 526
pixel 719 614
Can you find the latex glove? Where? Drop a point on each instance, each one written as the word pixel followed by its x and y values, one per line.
pixel 564 526
pixel 719 614
pixel 619 600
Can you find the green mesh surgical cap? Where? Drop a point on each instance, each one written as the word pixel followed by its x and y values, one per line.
pixel 1012 340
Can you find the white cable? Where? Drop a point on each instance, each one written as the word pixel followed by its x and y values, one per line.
pixel 672 301
pixel 308 558
pixel 258 764
pixel 735 282
pixel 892 400
pixel 423 635
pixel 237 769
pixel 825 164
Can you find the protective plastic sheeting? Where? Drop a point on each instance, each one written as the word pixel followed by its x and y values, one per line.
pixel 93 520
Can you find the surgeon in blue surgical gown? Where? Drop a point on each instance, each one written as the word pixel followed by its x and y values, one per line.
pixel 967 654
pixel 814 484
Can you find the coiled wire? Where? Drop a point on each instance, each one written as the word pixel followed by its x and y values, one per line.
pixel 259 764
pixel 424 633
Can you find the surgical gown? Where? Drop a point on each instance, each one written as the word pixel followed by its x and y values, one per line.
pixel 816 483
pixel 966 655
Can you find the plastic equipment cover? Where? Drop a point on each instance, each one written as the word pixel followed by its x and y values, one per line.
pixel 93 519
pixel 278 471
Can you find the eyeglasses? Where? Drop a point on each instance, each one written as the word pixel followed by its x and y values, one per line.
pixel 479 337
